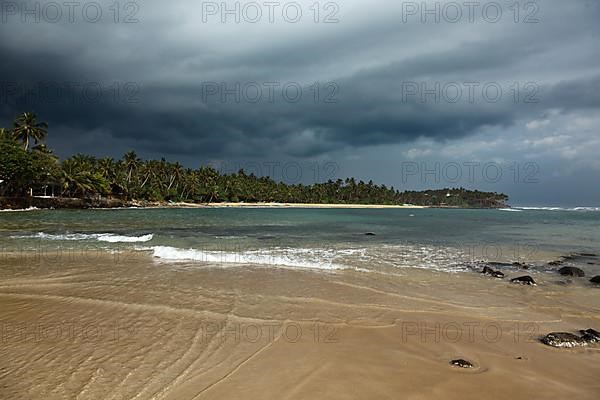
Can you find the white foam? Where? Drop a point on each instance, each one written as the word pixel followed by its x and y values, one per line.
pixel 559 208
pixel 441 258
pixel 21 209
pixel 391 256
pixel 102 237
pixel 297 258
pixel 510 209
pixel 48 236
pixel 124 239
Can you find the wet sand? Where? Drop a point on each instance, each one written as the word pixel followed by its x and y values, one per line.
pixel 129 327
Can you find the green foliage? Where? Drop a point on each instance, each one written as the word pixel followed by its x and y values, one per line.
pixel 16 169
pixel 46 168
pixel 81 178
pixel 132 178
pixel 26 128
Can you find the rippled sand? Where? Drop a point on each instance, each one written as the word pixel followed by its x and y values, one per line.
pixel 127 327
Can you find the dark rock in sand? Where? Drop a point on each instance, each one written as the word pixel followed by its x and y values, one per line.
pixel 460 363
pixel 488 271
pixel 570 340
pixel 588 255
pixel 523 280
pixel 590 335
pixel 563 339
pixel 571 271
pixel 370 234
pixel 596 280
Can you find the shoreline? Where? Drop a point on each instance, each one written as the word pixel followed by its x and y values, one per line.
pixel 47 203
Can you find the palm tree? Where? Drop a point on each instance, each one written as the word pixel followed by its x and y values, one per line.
pixel 81 178
pixel 26 127
pixel 73 181
pixel 132 162
pixel 106 166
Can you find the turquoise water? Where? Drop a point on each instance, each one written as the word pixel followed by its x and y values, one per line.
pixel 312 238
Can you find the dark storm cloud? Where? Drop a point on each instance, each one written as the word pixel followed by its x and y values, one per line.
pixel 575 94
pixel 371 63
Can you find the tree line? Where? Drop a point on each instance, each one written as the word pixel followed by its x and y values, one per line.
pixel 29 167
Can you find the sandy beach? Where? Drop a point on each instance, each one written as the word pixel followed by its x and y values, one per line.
pixel 125 326
pixel 289 205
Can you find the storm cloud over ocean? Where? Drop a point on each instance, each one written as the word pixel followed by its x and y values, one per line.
pixel 499 96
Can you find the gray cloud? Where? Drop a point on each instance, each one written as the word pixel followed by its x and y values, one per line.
pixel 371 55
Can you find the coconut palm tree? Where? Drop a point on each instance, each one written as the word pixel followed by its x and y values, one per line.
pixel 131 162
pixel 26 127
pixel 81 178
pixel 106 166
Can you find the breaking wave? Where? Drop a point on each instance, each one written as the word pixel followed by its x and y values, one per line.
pixel 102 237
pixel 21 209
pixel 299 258
pixel 358 259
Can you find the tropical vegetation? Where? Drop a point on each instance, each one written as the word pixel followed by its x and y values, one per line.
pixel 27 170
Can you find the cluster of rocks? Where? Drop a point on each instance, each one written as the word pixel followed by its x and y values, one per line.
pixel 555 339
pixel 523 280
pixel 565 270
pixel 585 337
pixel 582 258
pixel 567 340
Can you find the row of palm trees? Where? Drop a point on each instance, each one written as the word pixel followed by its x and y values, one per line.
pixel 132 178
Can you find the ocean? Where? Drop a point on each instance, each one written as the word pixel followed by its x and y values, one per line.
pixel 382 240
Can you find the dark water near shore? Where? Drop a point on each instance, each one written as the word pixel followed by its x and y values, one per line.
pixel 440 239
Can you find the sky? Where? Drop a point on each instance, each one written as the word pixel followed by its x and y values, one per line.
pixel 501 96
